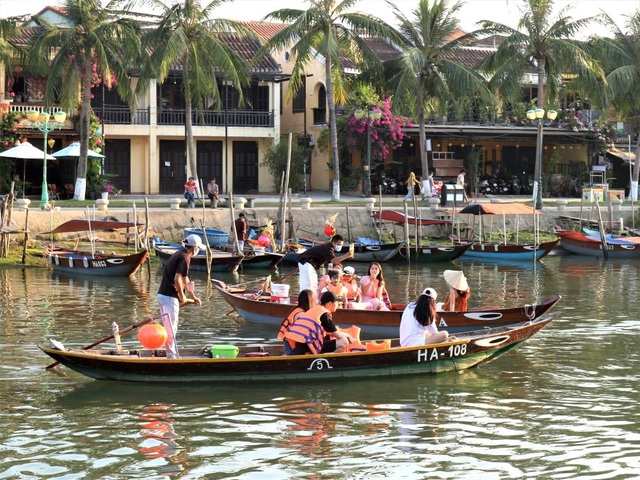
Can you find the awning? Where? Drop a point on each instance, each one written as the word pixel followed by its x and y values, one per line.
pixel 499 209
pixel 626 156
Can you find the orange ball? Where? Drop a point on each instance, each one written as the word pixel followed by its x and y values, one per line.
pixel 152 336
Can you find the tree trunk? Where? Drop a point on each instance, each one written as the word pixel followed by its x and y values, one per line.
pixel 424 160
pixel 85 112
pixel 333 130
pixel 191 160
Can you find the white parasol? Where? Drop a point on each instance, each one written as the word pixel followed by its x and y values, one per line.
pixel 25 151
pixel 73 150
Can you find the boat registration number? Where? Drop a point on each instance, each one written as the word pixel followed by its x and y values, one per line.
pixel 430 355
pixel 98 263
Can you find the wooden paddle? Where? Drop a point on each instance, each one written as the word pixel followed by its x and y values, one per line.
pixel 284 277
pixel 110 337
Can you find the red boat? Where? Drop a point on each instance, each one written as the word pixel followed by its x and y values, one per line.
pixel 397 217
pixel 592 245
pixel 259 309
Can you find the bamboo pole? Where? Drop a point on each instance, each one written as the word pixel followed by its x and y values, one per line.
pixel 26 237
pixel 286 192
pixel 380 211
pixel 603 238
pixel 233 224
pixel 348 225
pixel 406 230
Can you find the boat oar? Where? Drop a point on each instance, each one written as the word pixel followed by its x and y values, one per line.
pixel 284 277
pixel 110 337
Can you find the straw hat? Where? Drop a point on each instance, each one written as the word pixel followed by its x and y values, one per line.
pixel 456 279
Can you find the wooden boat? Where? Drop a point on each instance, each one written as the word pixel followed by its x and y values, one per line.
pixel 84 262
pixel 436 253
pixel 214 236
pixel 510 252
pixel 384 323
pixel 397 217
pixel 364 252
pixel 504 251
pixel 266 363
pixel 592 245
pixel 220 261
pixel 253 258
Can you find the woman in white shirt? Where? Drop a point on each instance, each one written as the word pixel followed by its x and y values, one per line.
pixel 418 324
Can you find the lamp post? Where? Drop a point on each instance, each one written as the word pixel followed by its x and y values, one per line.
pixel 538 114
pixel 42 121
pixel 369 115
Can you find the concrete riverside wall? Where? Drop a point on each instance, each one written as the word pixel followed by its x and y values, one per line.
pixel 169 224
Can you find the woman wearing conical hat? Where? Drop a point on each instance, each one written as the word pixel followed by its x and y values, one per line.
pixel 459 291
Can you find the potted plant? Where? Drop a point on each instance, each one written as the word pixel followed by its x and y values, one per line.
pixel 109 188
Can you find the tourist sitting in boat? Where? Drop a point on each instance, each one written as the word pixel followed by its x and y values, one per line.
pixel 373 288
pixel 306 301
pixel 459 292
pixel 351 284
pixel 324 279
pixel 313 258
pixel 309 333
pixel 336 286
pixel 418 324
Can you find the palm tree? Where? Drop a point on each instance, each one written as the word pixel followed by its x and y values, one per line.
pixel 427 72
pixel 327 28
pixel 620 56
pixel 93 37
pixel 187 36
pixel 544 43
pixel 8 29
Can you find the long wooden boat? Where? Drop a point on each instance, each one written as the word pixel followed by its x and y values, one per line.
pixel 436 253
pixel 365 252
pixel 582 244
pixel 220 261
pixel 214 236
pixel 266 363
pixel 399 218
pixel 255 260
pixel 509 252
pixel 383 323
pixel 73 261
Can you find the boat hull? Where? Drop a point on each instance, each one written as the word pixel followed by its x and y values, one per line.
pixel 580 244
pixel 194 367
pixel 509 252
pixel 220 262
pixel 76 262
pixel 435 254
pixel 214 236
pixel 384 323
pixel 367 253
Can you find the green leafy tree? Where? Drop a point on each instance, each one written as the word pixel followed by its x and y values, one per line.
pixel 94 41
pixel 9 135
pixel 620 56
pixel 427 72
pixel 275 159
pixel 186 35
pixel 327 28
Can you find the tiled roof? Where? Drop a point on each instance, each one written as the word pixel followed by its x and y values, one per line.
pixel 266 30
pixel 469 57
pixel 247 47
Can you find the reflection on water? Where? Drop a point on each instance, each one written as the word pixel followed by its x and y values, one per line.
pixel 564 405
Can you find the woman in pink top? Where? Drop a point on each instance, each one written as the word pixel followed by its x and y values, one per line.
pixel 373 287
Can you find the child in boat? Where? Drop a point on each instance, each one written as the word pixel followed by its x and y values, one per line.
pixel 336 286
pixel 373 288
pixel 309 333
pixel 354 295
pixel 306 301
pixel 418 324
pixel 459 292
pixel 324 280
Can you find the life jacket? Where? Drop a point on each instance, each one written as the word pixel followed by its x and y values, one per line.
pixel 385 299
pixel 352 289
pixel 307 329
pixel 337 290
pixel 288 321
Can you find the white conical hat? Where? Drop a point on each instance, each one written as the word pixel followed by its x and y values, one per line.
pixel 456 279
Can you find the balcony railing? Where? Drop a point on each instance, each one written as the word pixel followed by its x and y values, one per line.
pixel 215 118
pixel 115 115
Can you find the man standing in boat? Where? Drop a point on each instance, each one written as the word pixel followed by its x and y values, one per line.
pixel 174 286
pixel 313 258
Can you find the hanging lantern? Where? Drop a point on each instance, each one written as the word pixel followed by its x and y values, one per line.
pixel 152 336
pixel 329 230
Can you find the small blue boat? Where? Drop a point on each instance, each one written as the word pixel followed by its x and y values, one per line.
pixel 214 236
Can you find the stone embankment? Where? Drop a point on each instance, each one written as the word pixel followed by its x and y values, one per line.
pixel 169 224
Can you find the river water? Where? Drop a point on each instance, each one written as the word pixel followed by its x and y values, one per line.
pixel 565 405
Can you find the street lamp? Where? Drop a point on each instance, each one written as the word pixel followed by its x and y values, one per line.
pixel 42 121
pixel 369 115
pixel 538 114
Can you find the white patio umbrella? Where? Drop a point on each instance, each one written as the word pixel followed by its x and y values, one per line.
pixel 26 151
pixel 73 150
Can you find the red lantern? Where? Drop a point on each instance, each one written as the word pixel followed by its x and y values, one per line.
pixel 152 336
pixel 329 230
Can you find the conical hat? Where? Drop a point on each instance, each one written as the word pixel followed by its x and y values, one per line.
pixel 456 279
